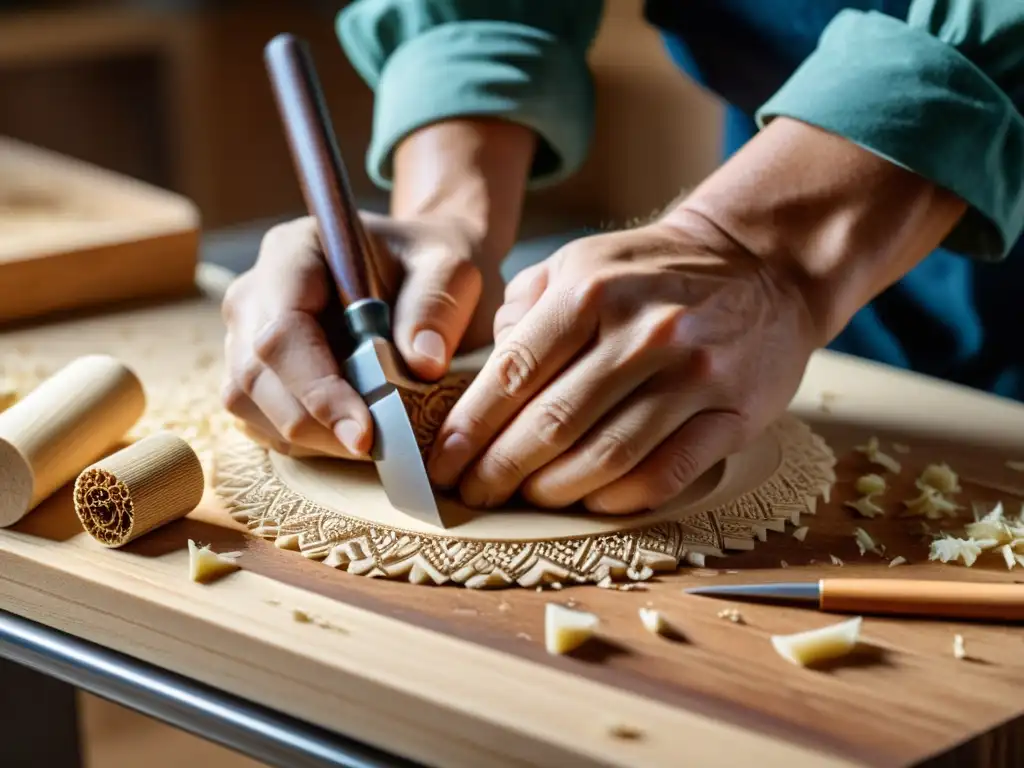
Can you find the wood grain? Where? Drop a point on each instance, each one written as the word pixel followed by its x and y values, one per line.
pixel 460 678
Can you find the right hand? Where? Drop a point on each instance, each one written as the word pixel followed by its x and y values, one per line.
pixel 284 382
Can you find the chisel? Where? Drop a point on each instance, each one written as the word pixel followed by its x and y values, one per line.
pixel 346 247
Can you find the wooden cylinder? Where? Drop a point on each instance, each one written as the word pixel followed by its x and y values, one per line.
pixel 62 426
pixel 139 488
pixel 907 597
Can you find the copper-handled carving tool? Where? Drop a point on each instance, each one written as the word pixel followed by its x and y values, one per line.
pixel 905 597
pixel 346 247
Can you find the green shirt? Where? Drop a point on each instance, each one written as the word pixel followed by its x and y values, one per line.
pixel 940 92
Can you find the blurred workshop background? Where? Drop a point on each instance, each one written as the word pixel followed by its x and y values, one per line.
pixel 175 94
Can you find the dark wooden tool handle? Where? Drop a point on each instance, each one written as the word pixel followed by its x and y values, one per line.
pixel 320 169
pixel 938 599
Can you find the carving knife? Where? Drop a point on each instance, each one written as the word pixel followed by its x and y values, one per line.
pixel 903 597
pixel 329 198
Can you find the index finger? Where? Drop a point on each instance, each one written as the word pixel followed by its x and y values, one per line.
pixel 295 348
pixel 536 350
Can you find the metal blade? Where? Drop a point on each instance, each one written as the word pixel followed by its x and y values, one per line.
pixel 395 450
pixel 793 592
pixel 399 464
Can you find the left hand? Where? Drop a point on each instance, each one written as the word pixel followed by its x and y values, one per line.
pixel 625 366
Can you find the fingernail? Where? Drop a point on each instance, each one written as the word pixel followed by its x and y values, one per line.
pixel 450 460
pixel 349 433
pixel 429 344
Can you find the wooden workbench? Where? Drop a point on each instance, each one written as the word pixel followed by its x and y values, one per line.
pixel 455 677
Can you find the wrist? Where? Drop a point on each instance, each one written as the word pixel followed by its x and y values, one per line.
pixel 837 220
pixel 468 174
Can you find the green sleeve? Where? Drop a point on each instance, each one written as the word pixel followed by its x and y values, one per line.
pixel 940 93
pixel 522 60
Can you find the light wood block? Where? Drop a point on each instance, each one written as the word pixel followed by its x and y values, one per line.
pixel 73 236
pixel 460 677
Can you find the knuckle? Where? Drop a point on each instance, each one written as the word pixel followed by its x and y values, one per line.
pixel 293 429
pixel 500 464
pixel 586 294
pixel 556 422
pixel 274 336
pixel 683 468
pixel 614 451
pixel 320 399
pixel 516 367
pixel 661 330
pixel 704 364
pixel 248 375
pixel 283 236
pixel 233 398
pixel 233 296
pixel 436 301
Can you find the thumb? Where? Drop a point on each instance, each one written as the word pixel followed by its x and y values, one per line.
pixel 434 308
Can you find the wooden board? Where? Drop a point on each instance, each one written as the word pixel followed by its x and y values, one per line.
pixel 73 236
pixel 456 677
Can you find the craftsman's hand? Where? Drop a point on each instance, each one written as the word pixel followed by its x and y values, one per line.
pixel 625 366
pixel 283 379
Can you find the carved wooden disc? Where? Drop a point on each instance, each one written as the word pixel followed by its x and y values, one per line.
pixel 337 512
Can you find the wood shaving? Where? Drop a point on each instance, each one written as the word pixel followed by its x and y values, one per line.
pixel 272 601
pixel 732 614
pixel 654 622
pixel 556 585
pixel 941 478
pixel 865 507
pixel 206 566
pixel 783 564
pixel 566 629
pixel 900 560
pixel 948 549
pixel 1016 466
pixel 930 504
pixel 959 648
pixel 992 531
pixel 817 645
pixel 503 606
pixel 870 485
pixel 835 560
pixel 523 636
pixel 300 616
pixel 801 533
pixel 607 583
pixel 1008 556
pixel 901 448
pixel 865 543
pixel 875 455
pixel 696 559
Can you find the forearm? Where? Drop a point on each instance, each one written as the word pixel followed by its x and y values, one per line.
pixel 470 171
pixel 840 220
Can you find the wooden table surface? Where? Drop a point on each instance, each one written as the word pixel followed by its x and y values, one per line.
pixel 456 677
